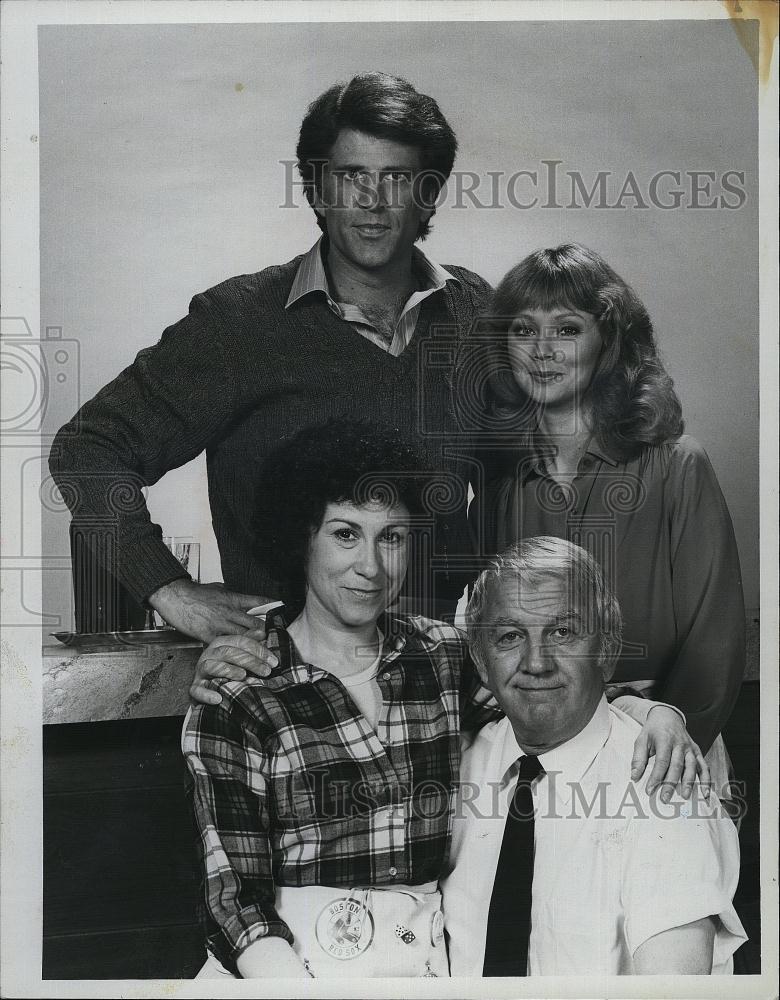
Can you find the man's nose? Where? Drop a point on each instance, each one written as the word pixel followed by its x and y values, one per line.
pixel 537 659
pixel 372 191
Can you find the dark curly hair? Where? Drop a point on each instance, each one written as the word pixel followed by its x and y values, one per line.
pixel 387 107
pixel 343 460
pixel 631 395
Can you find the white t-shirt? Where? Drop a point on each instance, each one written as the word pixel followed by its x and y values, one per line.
pixel 612 866
pixel 364 689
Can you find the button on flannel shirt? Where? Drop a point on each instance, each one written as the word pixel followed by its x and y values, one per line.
pixel 291 786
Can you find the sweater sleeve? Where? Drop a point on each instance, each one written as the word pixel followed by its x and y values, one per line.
pixel 705 678
pixel 157 415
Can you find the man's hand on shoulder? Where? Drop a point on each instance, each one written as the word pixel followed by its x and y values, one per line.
pixel 205 610
pixel 231 657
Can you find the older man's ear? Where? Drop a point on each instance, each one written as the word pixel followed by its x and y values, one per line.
pixel 476 659
pixel 608 661
pixel 607 664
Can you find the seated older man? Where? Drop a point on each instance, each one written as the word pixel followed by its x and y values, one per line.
pixel 589 873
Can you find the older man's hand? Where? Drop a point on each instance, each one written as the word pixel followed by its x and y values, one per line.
pixel 231 657
pixel 678 759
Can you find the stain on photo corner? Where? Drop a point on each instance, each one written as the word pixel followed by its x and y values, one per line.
pixel 757 43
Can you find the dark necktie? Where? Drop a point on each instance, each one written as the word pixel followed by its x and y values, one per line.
pixel 509 918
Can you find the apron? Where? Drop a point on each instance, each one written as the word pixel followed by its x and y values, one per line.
pixel 360 933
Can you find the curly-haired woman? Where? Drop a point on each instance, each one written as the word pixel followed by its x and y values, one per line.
pixel 582 437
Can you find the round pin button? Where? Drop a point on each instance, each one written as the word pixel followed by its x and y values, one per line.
pixel 437 928
pixel 393 871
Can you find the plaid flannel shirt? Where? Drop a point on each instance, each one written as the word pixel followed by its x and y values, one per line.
pixel 291 785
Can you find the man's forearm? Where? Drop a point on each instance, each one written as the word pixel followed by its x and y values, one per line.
pixel 156 415
pixel 680 951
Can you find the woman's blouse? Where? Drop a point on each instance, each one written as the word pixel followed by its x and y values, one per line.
pixel 292 786
pixel 660 529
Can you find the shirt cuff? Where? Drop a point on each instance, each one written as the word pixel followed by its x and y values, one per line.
pixel 239 933
pixel 682 908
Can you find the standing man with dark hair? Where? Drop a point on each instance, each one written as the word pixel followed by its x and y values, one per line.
pixel 337 332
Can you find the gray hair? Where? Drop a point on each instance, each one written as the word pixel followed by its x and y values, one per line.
pixel 536 561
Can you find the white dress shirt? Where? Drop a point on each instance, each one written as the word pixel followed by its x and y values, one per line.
pixel 613 866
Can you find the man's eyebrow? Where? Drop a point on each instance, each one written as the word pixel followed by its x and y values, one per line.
pixel 564 616
pixel 387 169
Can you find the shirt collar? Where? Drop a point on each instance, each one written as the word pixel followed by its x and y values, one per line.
pixel 395 633
pixel 570 761
pixel 536 464
pixel 598 451
pixel 312 277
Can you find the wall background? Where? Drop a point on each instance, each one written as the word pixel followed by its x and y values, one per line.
pixel 161 176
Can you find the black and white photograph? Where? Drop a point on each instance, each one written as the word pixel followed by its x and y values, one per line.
pixel 390 499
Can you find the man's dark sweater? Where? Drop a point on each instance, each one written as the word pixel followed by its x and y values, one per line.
pixel 235 377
